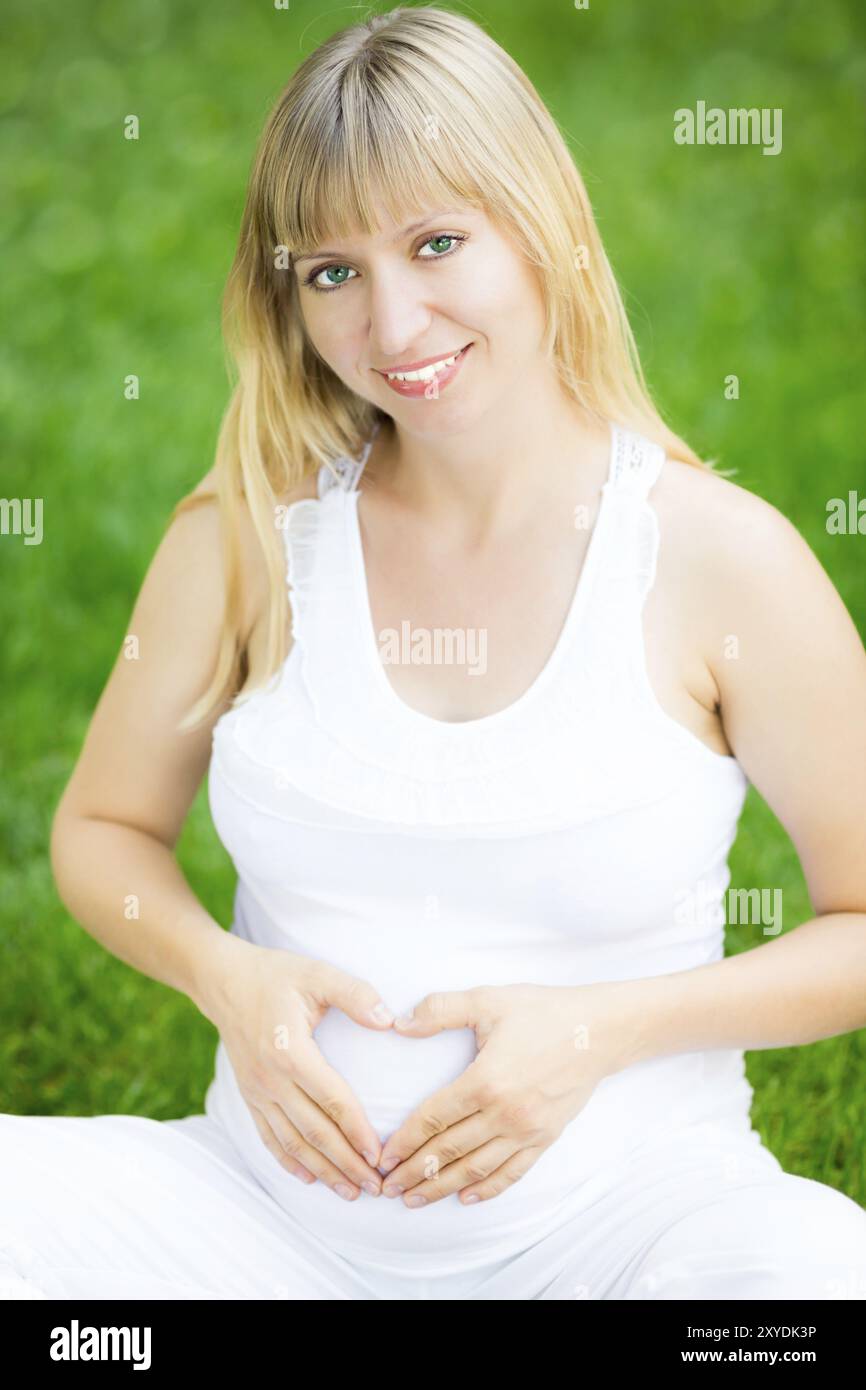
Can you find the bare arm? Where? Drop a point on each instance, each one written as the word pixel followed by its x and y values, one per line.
pixel 120 816
pixel 112 852
pixel 793 702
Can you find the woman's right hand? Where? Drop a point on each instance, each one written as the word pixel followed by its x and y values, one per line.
pixel 265 1005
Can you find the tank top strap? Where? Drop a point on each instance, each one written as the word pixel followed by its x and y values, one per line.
pixel 635 462
pixel 628 556
pixel 319 577
pixel 345 472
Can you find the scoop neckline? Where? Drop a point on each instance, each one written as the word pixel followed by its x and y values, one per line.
pixel 464 727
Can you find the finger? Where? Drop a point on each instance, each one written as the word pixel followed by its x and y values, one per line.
pixel 473 1168
pixel 272 1143
pixel 511 1171
pixel 433 1116
pixel 292 1144
pixel 295 1145
pixel 331 1093
pixel 357 998
pixel 446 1009
pixel 439 1152
pixel 319 1135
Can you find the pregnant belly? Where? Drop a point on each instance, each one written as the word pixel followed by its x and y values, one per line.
pixel 389 1080
pixel 390 1074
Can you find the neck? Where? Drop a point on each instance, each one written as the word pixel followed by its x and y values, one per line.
pixel 487 478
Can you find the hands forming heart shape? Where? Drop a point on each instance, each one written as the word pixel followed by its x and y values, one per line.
pixel 534 1071
pixel 542 1050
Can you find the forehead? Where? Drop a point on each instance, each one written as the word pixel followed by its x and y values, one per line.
pixel 390 229
pixel 390 225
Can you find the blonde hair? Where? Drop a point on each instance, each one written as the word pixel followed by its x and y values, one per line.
pixel 396 107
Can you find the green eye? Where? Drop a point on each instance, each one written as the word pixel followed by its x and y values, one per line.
pixel 338 275
pixel 342 271
pixel 430 241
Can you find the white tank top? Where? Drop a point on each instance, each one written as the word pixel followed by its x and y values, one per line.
pixel 579 835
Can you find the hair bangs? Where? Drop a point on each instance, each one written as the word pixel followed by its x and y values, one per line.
pixel 400 151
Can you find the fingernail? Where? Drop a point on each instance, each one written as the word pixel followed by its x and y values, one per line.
pixel 381 1014
pixel 417 1201
pixel 405 1019
pixel 370 1157
pixel 393 1189
pixel 343 1191
pixel 473 1197
pixel 389 1163
pixel 371 1188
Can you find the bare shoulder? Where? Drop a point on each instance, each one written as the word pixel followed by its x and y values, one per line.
pixel 192 561
pixel 788 662
pixel 700 502
pixel 755 600
pixel 735 578
pixel 732 544
pixel 199 531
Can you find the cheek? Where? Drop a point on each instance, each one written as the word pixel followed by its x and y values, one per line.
pixel 502 299
pixel 527 307
pixel 332 339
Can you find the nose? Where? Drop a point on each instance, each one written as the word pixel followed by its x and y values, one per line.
pixel 399 317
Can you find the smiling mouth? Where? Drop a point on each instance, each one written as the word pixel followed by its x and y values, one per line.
pixel 428 372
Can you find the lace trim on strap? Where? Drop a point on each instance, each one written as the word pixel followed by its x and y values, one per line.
pixel 636 462
pixel 627 568
pixel 635 466
pixel 344 472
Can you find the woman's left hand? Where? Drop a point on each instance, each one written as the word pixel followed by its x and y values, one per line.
pixel 542 1050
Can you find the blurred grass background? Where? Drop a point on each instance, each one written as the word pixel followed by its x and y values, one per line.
pixel 115 253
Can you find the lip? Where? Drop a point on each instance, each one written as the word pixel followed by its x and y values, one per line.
pixel 416 366
pixel 421 388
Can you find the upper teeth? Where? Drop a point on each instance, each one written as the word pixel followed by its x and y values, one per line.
pixel 424 373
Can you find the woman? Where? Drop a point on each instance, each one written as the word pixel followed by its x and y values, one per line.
pixel 431 473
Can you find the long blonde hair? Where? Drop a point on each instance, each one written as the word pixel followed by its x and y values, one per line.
pixel 415 106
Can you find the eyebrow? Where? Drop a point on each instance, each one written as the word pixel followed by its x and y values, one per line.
pixel 406 231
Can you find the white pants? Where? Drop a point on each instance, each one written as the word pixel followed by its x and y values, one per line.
pixel 124 1207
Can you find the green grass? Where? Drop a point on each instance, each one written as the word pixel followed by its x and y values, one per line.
pixel 115 254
